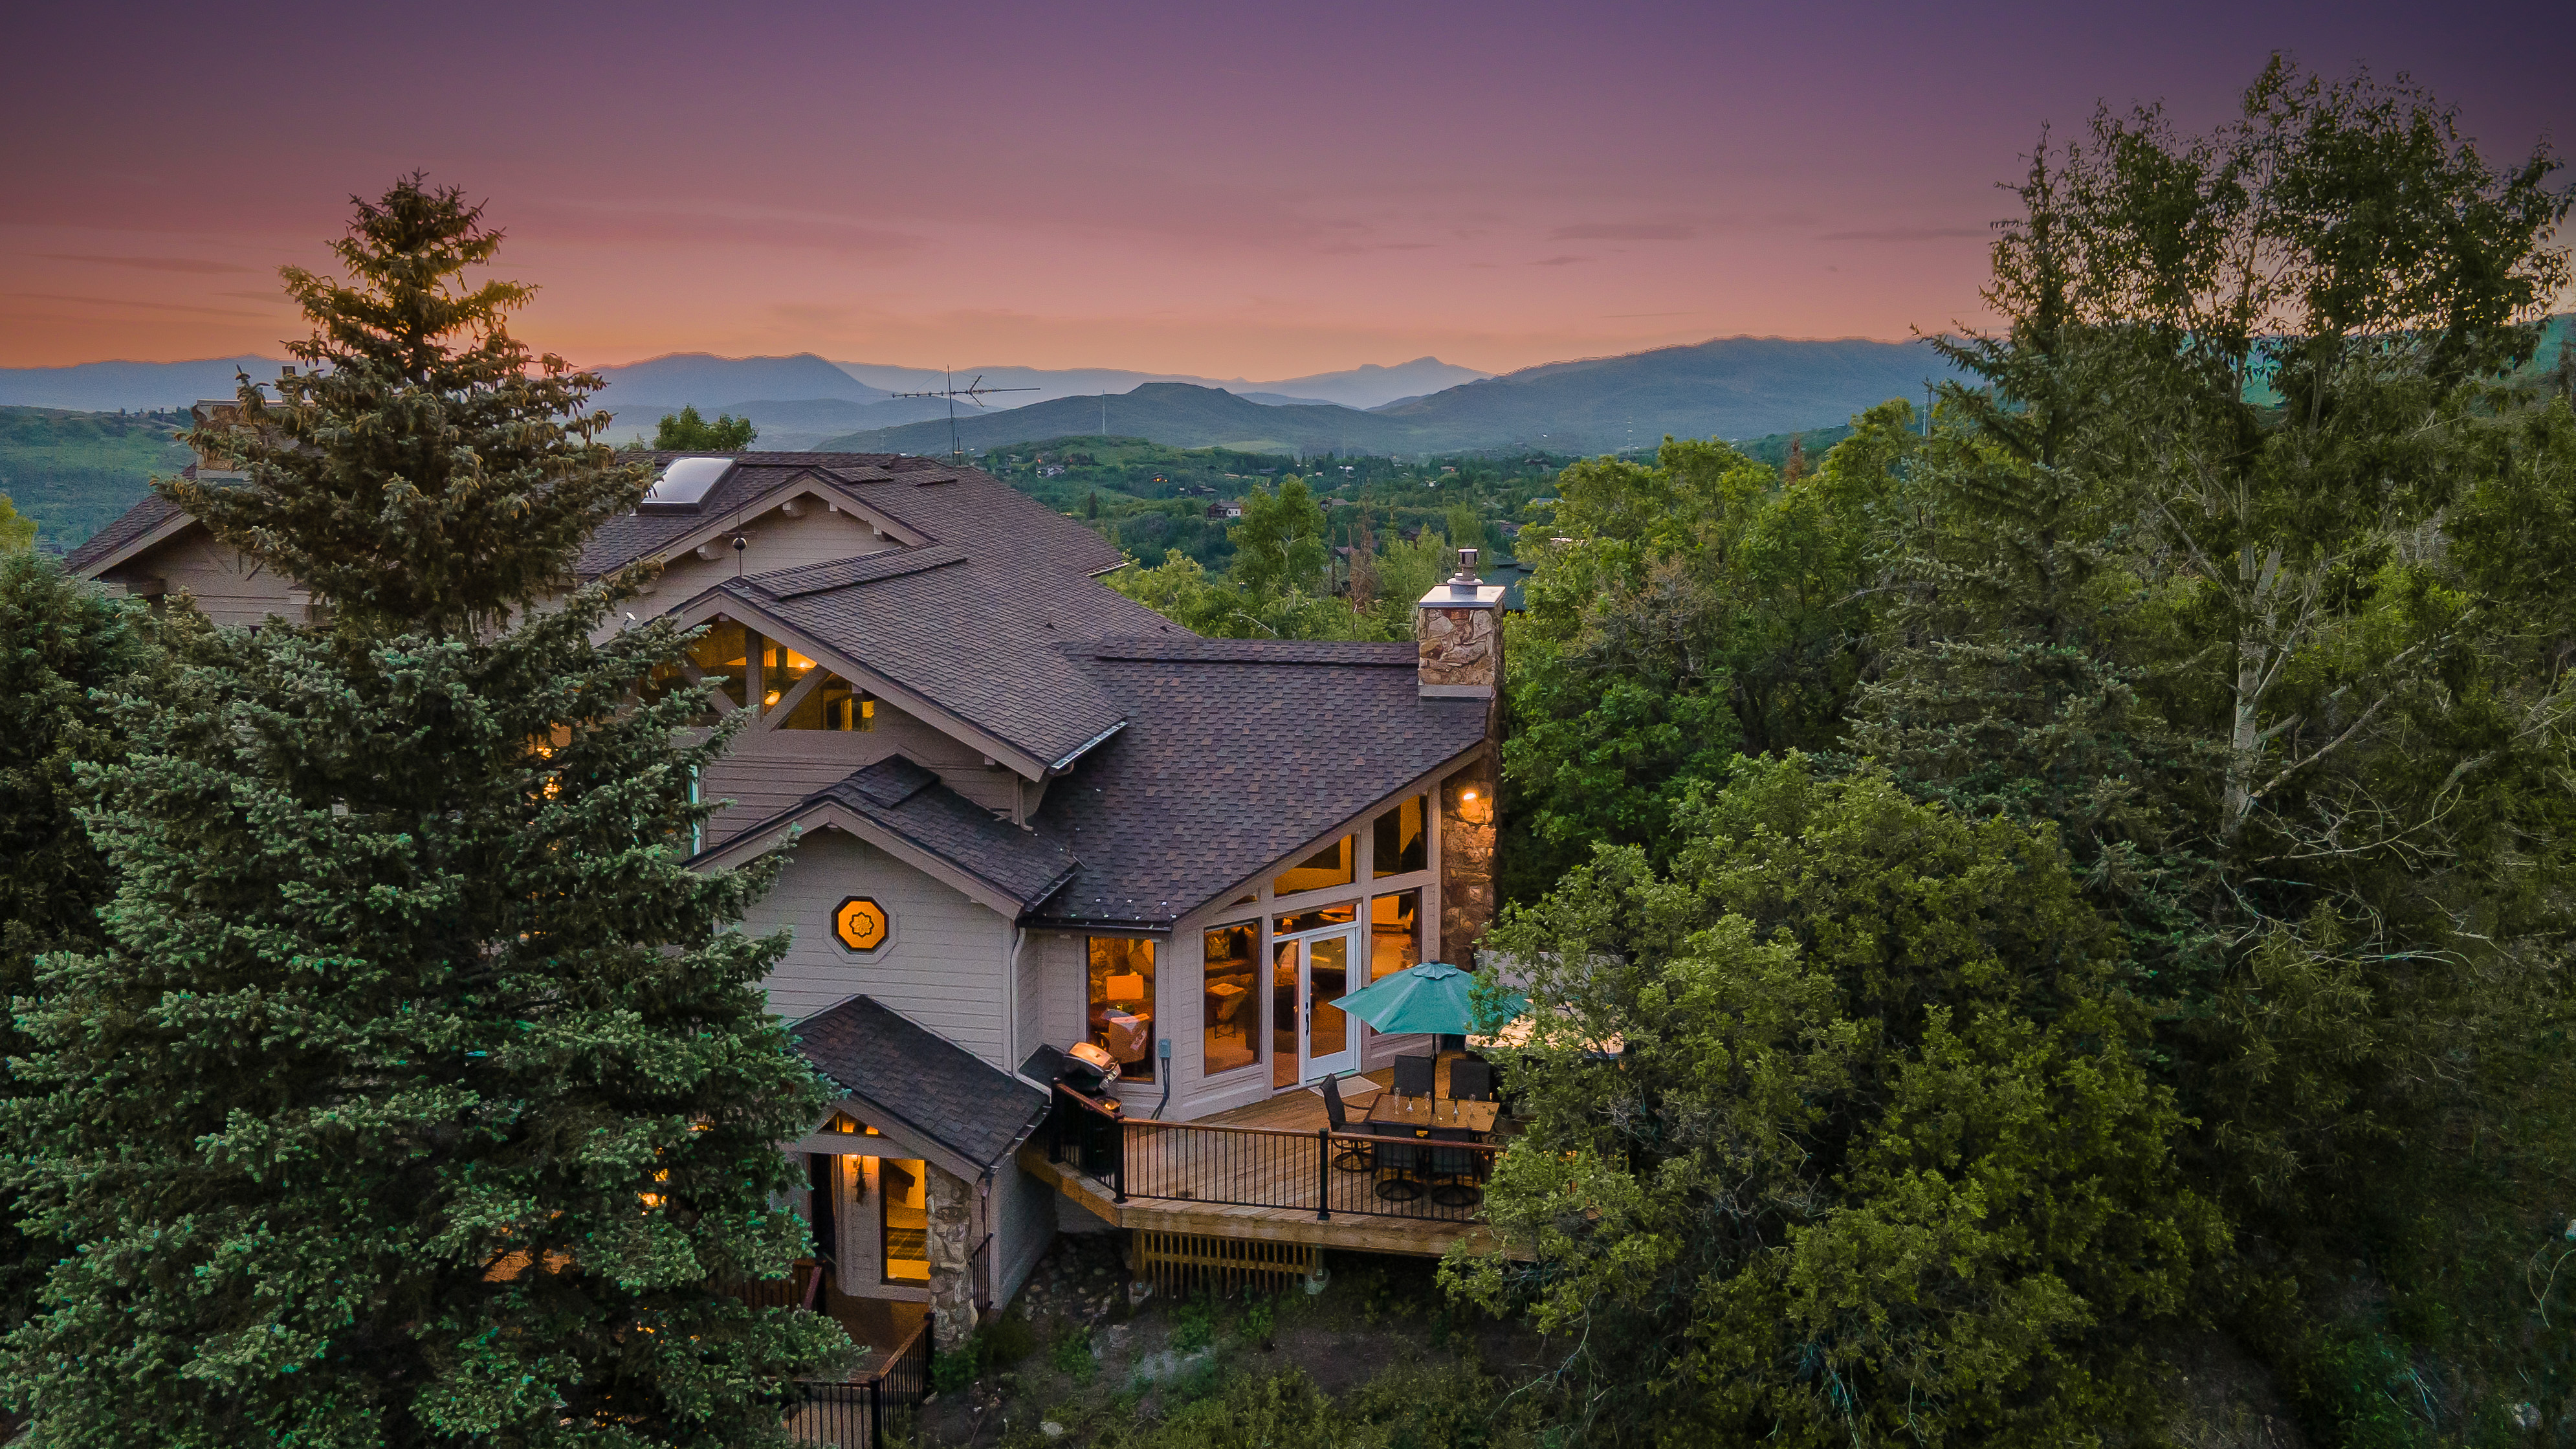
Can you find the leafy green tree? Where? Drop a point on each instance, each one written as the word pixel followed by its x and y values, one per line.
pixel 1466 528
pixel 1279 545
pixel 17 531
pixel 2243 571
pixel 686 432
pixel 1837 1133
pixel 1219 608
pixel 61 641
pixel 421 1093
pixel 1698 607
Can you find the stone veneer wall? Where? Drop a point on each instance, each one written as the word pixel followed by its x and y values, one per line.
pixel 952 1258
pixel 1467 832
pixel 1458 649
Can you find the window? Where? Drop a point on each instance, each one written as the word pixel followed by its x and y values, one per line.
pixel 723 656
pixel 1399 843
pixel 832 705
pixel 1331 866
pixel 781 669
pixel 1395 933
pixel 1340 915
pixel 1233 1007
pixel 1122 1004
pixel 903 1196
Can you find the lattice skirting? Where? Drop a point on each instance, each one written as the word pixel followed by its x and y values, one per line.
pixel 1178 1263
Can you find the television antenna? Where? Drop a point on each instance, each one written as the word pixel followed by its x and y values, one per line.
pixel 974 392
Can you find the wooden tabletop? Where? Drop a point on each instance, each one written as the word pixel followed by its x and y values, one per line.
pixel 1427 1112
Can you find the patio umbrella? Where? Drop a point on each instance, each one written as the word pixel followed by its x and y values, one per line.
pixel 1431 997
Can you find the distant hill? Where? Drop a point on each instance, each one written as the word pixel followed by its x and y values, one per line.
pixel 1734 387
pixel 1174 414
pixel 1738 387
pixel 73 471
pixel 103 387
pixel 1365 386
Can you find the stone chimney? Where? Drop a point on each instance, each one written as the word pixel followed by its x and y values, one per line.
pixel 1458 644
pixel 1458 636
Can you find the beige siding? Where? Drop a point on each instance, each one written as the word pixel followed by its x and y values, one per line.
pixel 1022 1212
pixel 776 542
pixel 1029 998
pixel 769 770
pixel 943 967
pixel 229 587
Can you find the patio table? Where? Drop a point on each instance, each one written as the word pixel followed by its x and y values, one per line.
pixel 1421 1114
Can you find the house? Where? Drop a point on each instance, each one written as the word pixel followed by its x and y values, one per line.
pixel 1022 812
pixel 1225 508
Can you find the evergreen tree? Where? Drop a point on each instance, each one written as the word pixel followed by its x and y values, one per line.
pixel 420 1094
pixel 1837 1133
pixel 2244 569
pixel 60 640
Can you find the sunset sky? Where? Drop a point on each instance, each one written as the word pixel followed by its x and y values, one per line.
pixel 1261 191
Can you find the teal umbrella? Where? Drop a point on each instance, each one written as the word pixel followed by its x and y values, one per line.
pixel 1431 997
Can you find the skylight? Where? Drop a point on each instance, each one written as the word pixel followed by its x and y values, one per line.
pixel 685 483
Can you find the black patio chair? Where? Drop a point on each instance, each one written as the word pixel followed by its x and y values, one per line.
pixel 1353 1151
pixel 1401 1168
pixel 1457 1175
pixel 1471 1080
pixel 1414 1076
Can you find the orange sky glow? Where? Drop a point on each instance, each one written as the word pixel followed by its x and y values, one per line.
pixel 1217 189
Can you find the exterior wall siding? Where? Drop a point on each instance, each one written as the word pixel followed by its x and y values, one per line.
pixel 769 770
pixel 776 542
pixel 943 966
pixel 229 587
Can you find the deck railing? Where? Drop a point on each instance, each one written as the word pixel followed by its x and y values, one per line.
pixel 1323 1172
pixel 852 1414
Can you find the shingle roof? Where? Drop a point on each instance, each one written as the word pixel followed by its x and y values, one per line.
pixel 1236 753
pixel 919 1079
pixel 128 526
pixel 901 796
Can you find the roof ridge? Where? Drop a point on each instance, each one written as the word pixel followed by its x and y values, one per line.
pixel 865 568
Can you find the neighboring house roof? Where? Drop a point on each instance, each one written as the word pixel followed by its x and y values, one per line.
pixel 906 1074
pixel 1236 754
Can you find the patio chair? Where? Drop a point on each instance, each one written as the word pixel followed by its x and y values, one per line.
pixel 1457 1175
pixel 1352 1151
pixel 1471 1080
pixel 1401 1168
pixel 1414 1076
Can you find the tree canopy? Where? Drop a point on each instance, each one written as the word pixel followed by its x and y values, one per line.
pixel 686 432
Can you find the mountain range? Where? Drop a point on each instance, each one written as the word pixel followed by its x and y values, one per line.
pixel 1734 387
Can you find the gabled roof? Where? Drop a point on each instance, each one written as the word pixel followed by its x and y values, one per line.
pixel 904 809
pixel 909 801
pixel 916 1078
pixel 128 528
pixel 974 639
pixel 1236 754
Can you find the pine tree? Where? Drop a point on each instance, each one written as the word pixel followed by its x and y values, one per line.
pixel 59 641
pixel 421 1093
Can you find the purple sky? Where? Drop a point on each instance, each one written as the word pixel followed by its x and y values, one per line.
pixel 1232 190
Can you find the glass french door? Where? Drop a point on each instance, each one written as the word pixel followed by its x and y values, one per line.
pixel 1309 973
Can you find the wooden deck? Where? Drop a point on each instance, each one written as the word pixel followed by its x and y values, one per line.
pixel 1262 1162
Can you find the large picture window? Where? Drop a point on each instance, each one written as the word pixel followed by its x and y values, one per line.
pixel 1400 840
pixel 1395 933
pixel 723 657
pixel 1122 1004
pixel 1333 865
pixel 1231 1001
pixel 832 705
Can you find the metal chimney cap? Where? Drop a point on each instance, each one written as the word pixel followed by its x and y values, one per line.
pixel 1465 581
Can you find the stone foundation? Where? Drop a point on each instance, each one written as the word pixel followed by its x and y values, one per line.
pixel 952 1259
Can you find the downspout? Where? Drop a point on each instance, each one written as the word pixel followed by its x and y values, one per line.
pixel 1011 990
pixel 1163 1066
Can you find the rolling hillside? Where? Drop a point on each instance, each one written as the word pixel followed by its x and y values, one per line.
pixel 73 471
pixel 1174 414
pixel 1735 387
